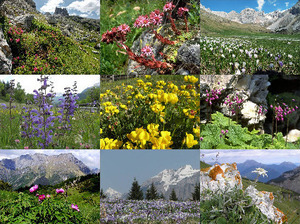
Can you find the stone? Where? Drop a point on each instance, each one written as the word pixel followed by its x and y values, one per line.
pixel 182 72
pixel 189 55
pixel 24 21
pixel 51 20
pixel 293 135
pixel 61 11
pixel 5 55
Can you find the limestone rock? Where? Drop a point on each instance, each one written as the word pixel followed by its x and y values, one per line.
pixel 220 179
pixel 51 20
pixel 24 21
pixel 189 55
pixel 5 55
pixel 292 136
pixel 61 11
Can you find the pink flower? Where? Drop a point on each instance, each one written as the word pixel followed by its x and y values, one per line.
pixel 75 207
pixel 169 7
pixel 48 196
pixel 181 10
pixel 142 21
pixel 26 147
pixel 42 197
pixel 17 40
pixel 55 58
pixel 34 188
pixel 67 147
pixel 60 190
pixel 148 51
pixel 17 141
pixel 124 28
pixel 35 69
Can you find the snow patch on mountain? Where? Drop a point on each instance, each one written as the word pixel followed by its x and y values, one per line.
pixel 112 194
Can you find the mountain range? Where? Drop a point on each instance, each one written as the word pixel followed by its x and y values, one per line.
pixel 274 170
pixel 42 169
pixel 287 21
pixel 182 180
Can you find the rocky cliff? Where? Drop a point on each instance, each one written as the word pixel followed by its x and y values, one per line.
pixel 27 170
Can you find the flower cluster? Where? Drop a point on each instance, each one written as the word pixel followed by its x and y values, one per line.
pixel 212 95
pixel 234 103
pixel 282 111
pixel 48 196
pixel 116 34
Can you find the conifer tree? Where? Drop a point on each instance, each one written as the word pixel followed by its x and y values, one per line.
pixel 161 196
pixel 196 194
pixel 151 193
pixel 173 196
pixel 102 195
pixel 135 192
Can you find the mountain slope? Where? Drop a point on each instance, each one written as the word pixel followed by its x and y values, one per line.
pixel 288 180
pixel 182 180
pixel 41 169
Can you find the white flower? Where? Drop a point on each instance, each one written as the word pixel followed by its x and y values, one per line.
pixel 260 172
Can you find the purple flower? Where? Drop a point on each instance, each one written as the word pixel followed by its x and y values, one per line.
pixel 34 188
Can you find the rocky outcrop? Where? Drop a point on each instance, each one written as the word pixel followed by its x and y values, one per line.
pixel 249 16
pixel 14 8
pixel 24 21
pixel 252 89
pixel 221 179
pixel 61 11
pixel 5 55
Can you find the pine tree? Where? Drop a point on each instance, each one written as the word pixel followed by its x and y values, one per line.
pixel 173 196
pixel 151 193
pixel 102 195
pixel 135 192
pixel 161 196
pixel 196 194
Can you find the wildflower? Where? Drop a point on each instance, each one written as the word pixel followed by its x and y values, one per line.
pixel 189 140
pixel 260 172
pixel 26 147
pixel 17 40
pixel 17 141
pixel 75 207
pixel 181 10
pixel 41 197
pixel 60 190
pixel 48 196
pixel 169 7
pixel 124 28
pixel 148 51
pixel 34 188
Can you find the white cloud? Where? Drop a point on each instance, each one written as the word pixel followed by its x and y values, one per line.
pixel 51 5
pixel 262 156
pixel 86 6
pixel 274 4
pixel 260 4
pixel 287 4
pixel 84 15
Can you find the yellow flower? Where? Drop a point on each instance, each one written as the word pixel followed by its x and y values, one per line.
pixel 163 142
pixel 148 76
pixel 190 78
pixel 101 130
pixel 110 144
pixel 139 136
pixel 197 131
pixel 189 140
pixel 157 108
pixel 153 129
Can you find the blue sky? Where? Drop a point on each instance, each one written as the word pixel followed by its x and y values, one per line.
pixel 118 168
pixel 238 5
pixel 262 156
pixel 83 8
pixel 91 158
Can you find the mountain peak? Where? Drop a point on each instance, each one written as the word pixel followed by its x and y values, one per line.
pixel 112 194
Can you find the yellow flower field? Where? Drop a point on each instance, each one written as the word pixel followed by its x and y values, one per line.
pixel 159 112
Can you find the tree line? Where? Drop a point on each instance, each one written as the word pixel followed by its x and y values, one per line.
pixel 136 193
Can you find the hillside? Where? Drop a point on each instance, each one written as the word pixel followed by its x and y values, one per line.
pixel 36 43
pixel 215 25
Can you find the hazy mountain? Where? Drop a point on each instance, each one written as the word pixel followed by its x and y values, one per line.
pixel 288 180
pixel 182 180
pixel 274 170
pixel 112 194
pixel 84 93
pixel 27 170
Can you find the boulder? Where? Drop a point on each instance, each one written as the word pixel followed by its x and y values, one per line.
pixel 5 55
pixel 24 21
pixel 51 20
pixel 293 135
pixel 61 11
pixel 188 55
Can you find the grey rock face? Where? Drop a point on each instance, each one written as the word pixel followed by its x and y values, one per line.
pixel 5 55
pixel 41 169
pixel 252 89
pixel 51 20
pixel 14 8
pixel 189 55
pixel 24 21
pixel 61 11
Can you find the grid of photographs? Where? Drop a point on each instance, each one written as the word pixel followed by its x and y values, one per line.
pixel 100 85
pixel 249 111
